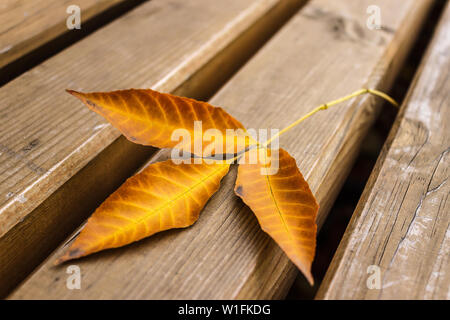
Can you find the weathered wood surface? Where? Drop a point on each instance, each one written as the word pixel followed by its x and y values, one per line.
pixel 26 25
pixel 47 136
pixel 401 224
pixel 324 52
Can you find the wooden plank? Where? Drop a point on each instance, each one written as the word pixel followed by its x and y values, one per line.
pixel 316 57
pixel 26 25
pixel 401 224
pixel 189 47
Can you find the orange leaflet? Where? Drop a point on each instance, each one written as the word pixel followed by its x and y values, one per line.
pixel 161 197
pixel 166 121
pixel 284 205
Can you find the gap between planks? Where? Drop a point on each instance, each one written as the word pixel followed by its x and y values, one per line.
pixel 32 31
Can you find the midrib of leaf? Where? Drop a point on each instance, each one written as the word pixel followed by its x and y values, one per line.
pixel 275 201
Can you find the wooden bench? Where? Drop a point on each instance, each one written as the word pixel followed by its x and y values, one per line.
pixel 59 160
pixel 401 224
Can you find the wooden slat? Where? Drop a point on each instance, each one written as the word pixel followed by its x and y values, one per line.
pixel 26 25
pixel 324 52
pixel 188 47
pixel 401 224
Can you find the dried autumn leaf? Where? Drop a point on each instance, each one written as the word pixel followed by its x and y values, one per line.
pixel 149 117
pixel 166 195
pixel 284 205
pixel 163 196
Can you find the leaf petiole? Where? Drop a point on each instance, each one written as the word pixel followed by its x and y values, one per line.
pixel 330 104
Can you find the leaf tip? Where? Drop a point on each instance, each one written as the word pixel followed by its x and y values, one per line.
pixel 310 278
pixel 59 261
pixel 76 94
pixel 70 91
pixel 85 98
pixel 71 254
pixel 305 270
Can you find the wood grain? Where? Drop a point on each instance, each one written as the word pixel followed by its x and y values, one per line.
pixel 324 52
pixel 26 25
pixel 401 223
pixel 189 47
